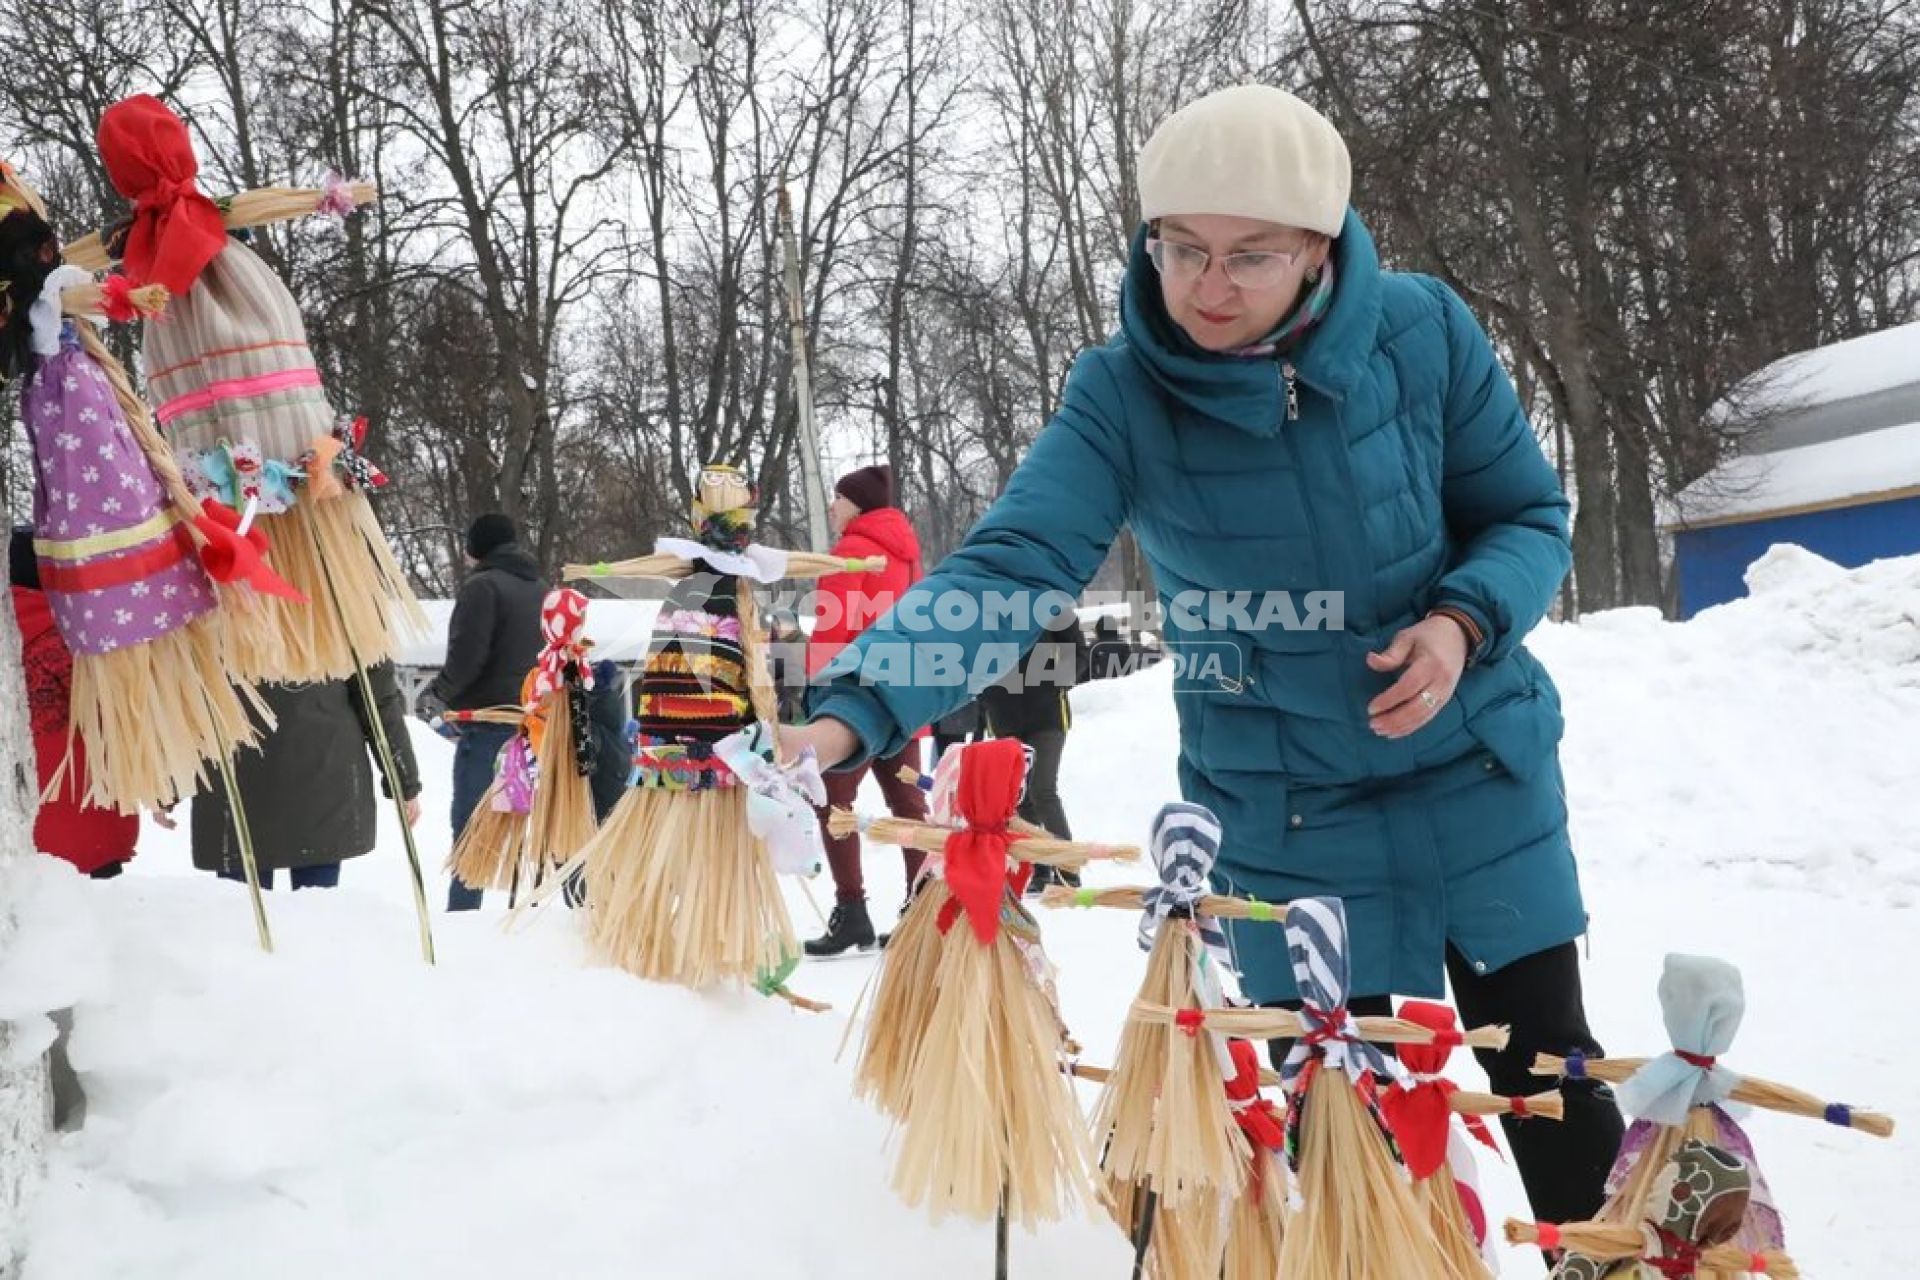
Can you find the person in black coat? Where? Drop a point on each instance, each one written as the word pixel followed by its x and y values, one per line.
pixel 308 787
pixel 493 640
pixel 1031 704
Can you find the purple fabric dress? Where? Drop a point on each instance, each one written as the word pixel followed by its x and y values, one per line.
pixel 118 566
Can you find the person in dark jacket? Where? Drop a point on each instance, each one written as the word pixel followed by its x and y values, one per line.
pixel 493 640
pixel 955 729
pixel 97 841
pixel 1032 704
pixel 1111 655
pixel 308 787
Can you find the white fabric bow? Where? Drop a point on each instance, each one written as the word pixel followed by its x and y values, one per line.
pixel 783 799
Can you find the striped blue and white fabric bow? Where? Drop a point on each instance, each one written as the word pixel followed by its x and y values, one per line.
pixel 1185 845
pixel 1317 944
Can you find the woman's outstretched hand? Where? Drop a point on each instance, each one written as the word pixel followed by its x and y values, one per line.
pixel 832 741
pixel 1430 655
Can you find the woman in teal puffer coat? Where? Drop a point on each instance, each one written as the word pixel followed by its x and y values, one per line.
pixel 1352 527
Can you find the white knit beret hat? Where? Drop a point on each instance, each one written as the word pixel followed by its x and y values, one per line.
pixel 1251 151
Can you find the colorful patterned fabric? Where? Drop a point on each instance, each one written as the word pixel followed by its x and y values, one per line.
pixel 679 766
pixel 1763 1228
pixel 1698 1201
pixel 1305 314
pixel 563 625
pixel 693 685
pixel 117 566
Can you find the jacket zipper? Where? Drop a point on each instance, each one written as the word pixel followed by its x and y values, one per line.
pixel 1292 389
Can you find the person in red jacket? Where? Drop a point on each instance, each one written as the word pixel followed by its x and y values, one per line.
pixel 866 524
pixel 97 841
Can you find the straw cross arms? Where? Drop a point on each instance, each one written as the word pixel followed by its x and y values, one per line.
pixel 257 208
pixel 1133 898
pixel 1750 1090
pixel 933 837
pixel 1688 1225
pixel 1533 1106
pixel 1605 1242
pixel 1286 1024
pixel 671 565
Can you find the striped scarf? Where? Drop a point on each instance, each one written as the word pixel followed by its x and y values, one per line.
pixel 1306 313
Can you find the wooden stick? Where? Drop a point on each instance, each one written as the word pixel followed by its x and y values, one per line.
pixel 487 715
pixel 1752 1091
pixel 249 863
pixel 1285 1024
pixel 933 838
pixel 1133 899
pixel 800 564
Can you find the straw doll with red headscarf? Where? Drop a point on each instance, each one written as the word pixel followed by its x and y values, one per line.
pixel 240 397
pixel 971 1067
pixel 134 567
pixel 1436 1123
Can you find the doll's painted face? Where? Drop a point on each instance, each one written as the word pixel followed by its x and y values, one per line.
pixel 724 488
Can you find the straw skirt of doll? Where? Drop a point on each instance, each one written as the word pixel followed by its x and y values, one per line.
pixel 237 392
pixel 152 697
pixel 679 888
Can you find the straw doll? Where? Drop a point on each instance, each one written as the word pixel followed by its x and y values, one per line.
pixel 972 1067
pixel 681 888
pixel 1356 1218
pixel 1681 1095
pixel 1173 1151
pixel 240 398
pixel 134 567
pixel 1433 1133
pixel 492 848
pixel 1700 1198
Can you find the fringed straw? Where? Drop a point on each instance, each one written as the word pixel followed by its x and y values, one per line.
pixel 1257 1224
pixel 987 1110
pixel 489 851
pixel 902 1003
pixel 682 891
pixel 1358 1220
pixel 153 715
pixel 340 536
pixel 1438 1197
pixel 1609 1242
pixel 1133 899
pixel 561 823
pixel 1163 1121
pixel 1754 1092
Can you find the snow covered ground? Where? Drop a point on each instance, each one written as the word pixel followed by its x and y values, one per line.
pixel 1742 785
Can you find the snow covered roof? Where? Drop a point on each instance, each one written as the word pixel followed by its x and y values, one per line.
pixel 1835 426
pixel 1862 384
pixel 1849 471
pixel 619 630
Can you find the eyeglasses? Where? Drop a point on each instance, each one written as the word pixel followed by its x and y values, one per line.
pixel 1186 263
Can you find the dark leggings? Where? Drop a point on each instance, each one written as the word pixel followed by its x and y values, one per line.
pixel 1041 804
pixel 1563 1166
pixel 904 800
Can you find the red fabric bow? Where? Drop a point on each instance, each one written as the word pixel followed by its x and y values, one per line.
pixel 563 619
pixel 986 799
pixel 229 557
pixel 176 231
pixel 116 294
pixel 1679 1259
pixel 1257 1117
pixel 1421 1114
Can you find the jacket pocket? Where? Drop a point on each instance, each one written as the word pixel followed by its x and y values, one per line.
pixel 1521 731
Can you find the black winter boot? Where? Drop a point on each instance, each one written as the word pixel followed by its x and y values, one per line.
pixel 849 927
